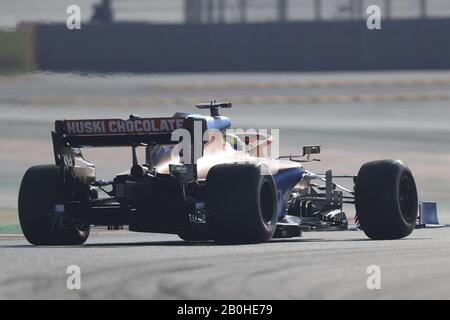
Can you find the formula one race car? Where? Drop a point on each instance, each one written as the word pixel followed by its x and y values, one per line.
pixel 203 181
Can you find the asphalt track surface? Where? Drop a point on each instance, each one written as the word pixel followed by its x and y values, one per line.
pixel 321 265
pixel 357 117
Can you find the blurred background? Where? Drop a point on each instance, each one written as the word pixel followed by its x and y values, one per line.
pixel 222 11
pixel 310 68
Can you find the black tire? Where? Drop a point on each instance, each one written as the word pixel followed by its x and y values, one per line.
pixel 37 198
pixel 386 200
pixel 241 200
pixel 195 235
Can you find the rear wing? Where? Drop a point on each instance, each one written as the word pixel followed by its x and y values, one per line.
pixel 70 135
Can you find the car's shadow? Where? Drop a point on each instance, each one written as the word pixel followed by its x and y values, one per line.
pixel 181 243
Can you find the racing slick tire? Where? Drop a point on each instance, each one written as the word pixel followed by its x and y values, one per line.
pixel 37 199
pixel 241 201
pixel 386 200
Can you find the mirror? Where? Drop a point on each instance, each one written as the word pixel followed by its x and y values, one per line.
pixel 309 150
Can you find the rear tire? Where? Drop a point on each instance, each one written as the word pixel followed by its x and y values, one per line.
pixel 386 200
pixel 37 199
pixel 241 201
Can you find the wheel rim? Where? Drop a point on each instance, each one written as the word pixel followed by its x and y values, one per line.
pixel 407 198
pixel 267 202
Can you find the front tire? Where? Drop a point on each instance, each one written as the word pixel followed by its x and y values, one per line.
pixel 386 200
pixel 241 201
pixel 37 199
